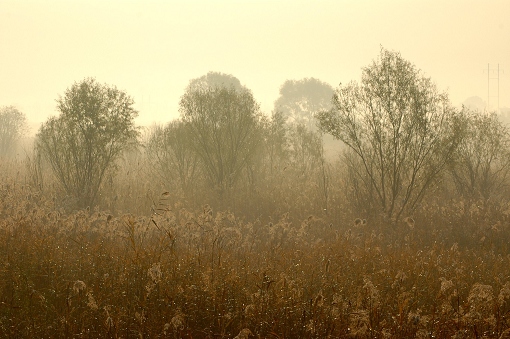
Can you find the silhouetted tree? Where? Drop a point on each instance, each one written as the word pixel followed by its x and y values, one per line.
pixel 82 144
pixel 215 79
pixel 403 131
pixel 300 100
pixel 13 126
pixel 482 161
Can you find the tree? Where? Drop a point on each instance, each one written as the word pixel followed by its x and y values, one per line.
pixel 475 103
pixel 300 100
pixel 403 131
pixel 171 152
pixel 276 141
pixel 224 124
pixel 482 161
pixel 215 79
pixel 82 144
pixel 13 126
pixel 308 160
pixel 306 149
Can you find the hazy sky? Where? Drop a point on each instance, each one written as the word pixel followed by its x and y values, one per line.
pixel 151 49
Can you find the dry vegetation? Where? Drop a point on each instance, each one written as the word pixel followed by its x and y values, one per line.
pixel 172 270
pixel 227 223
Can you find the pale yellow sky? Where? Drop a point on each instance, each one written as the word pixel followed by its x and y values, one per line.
pixel 151 49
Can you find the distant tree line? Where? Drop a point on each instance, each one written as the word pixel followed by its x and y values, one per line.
pixel 401 141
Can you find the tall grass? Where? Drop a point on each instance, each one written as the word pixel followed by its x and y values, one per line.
pixel 178 273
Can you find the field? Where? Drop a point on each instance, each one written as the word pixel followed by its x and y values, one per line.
pixel 199 272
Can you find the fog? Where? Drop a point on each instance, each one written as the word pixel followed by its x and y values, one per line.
pixel 153 49
pixel 254 169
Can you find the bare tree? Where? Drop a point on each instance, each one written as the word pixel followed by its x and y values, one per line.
pixel 13 126
pixel 403 131
pixel 95 126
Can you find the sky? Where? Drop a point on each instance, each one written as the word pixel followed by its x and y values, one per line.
pixel 152 49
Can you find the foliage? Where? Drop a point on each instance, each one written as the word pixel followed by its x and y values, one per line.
pixel 214 79
pixel 170 151
pixel 306 148
pixel 300 100
pixel 482 161
pixel 82 144
pixel 276 140
pixel 224 126
pixel 13 125
pixel 401 128
pixel 295 251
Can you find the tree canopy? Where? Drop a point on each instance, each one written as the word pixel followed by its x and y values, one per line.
pixel 402 130
pixel 94 127
pixel 300 100
pixel 169 149
pixel 482 161
pixel 215 79
pixel 223 121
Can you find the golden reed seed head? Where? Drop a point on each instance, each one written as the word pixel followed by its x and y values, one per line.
pixel 79 286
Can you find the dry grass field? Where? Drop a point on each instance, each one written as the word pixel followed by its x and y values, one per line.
pixel 180 272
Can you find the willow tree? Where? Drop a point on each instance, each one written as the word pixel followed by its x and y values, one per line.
pixel 402 132
pixel 82 144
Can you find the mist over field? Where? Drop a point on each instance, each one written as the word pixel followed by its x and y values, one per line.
pixel 254 169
